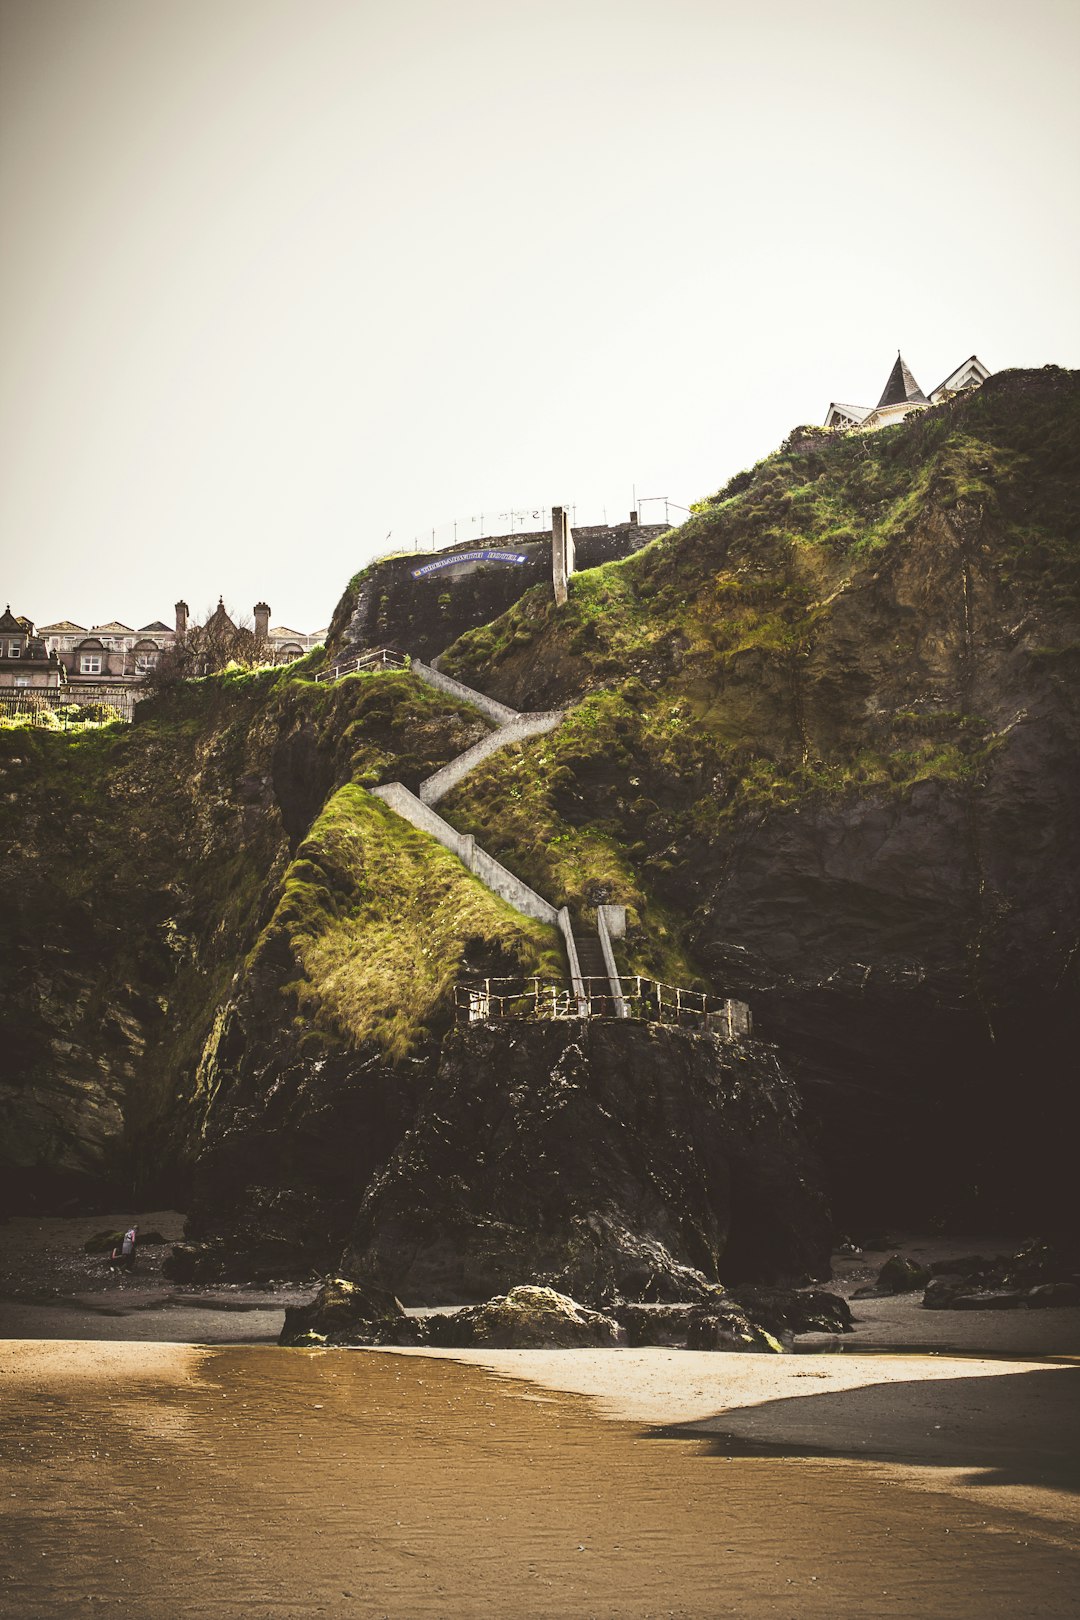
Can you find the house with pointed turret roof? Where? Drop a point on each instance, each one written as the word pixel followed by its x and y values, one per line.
pixel 902 395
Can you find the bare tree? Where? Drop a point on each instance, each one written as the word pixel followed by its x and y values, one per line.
pixel 204 649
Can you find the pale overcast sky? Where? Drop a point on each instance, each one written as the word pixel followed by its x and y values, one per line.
pixel 281 276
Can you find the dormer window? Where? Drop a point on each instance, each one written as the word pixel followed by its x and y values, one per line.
pixel 90 664
pixel 14 649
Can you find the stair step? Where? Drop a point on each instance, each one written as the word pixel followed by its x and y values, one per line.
pixel 590 955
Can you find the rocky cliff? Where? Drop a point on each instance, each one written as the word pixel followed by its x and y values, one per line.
pixel 822 742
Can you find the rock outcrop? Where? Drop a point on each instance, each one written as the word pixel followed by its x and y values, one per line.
pixel 603 1159
pixel 526 1318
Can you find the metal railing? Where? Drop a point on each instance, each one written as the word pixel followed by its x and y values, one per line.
pixel 377 658
pixel 64 706
pixel 648 1000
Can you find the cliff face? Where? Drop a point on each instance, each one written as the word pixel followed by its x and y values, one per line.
pixel 141 867
pixel 826 747
pixel 603 1159
pixel 822 742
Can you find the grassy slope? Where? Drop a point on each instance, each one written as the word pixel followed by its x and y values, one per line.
pixel 147 861
pixel 770 651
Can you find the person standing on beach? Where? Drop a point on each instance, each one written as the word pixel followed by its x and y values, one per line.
pixel 125 1255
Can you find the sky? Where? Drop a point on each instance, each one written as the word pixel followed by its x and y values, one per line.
pixel 286 284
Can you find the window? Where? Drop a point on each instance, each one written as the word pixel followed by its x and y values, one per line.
pixel 144 662
pixel 90 664
pixel 22 680
pixel 14 649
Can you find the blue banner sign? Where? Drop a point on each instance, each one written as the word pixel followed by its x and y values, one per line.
pixel 468 557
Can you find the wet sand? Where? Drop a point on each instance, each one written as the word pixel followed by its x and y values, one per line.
pixel 159 1480
pixel 226 1477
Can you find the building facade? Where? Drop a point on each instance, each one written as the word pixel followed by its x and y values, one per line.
pixel 116 652
pixel 25 659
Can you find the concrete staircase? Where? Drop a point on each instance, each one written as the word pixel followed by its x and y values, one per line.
pixel 589 957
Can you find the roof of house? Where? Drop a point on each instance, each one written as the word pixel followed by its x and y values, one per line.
pixel 113 629
pixel 157 625
pixel 283 632
pixel 901 388
pixel 220 616
pixel 856 412
pixel 10 624
pixel 972 359
pixel 61 628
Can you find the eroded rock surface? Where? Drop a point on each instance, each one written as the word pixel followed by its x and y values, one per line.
pixel 601 1158
pixel 526 1318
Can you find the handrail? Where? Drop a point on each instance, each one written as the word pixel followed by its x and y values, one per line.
pixel 647 1000
pixel 377 658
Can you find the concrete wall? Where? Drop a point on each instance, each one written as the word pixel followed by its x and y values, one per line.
pixel 577 982
pixel 465 694
pixel 482 865
pixel 436 787
pixel 562 553
pixel 611 923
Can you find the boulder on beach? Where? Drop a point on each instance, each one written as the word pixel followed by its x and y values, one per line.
pixel 526 1318
pixel 349 1313
pixel 726 1326
pixel 899 1275
pixel 794 1310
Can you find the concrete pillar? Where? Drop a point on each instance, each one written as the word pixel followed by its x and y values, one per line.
pixel 181 617
pixel 562 552
pixel 262 621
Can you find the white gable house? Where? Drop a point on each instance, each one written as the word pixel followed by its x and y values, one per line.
pixel 902 395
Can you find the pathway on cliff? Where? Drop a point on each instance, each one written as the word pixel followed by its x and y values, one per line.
pixel 587 957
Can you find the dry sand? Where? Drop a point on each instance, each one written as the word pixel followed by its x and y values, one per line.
pixel 155 1479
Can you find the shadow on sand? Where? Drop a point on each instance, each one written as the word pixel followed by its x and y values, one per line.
pixel 1019 1428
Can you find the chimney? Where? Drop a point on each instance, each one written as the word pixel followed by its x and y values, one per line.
pixel 181 617
pixel 262 621
pixel 633 519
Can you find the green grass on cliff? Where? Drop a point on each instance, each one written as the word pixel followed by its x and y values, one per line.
pixel 141 863
pixel 813 634
pixel 377 919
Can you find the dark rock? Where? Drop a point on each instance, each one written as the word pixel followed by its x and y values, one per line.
pixel 991 1299
pixel 941 1291
pixel 899 1275
pixel 1048 1294
pixel 603 1159
pixel 1042 1262
pixel 1039 1275
pixel 966 1265
pixel 792 1310
pixel 726 1326
pixel 526 1318
pixel 654 1324
pixel 350 1313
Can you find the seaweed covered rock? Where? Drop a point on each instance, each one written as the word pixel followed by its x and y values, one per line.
pixel 604 1159
pixel 349 1313
pixel 794 1310
pixel 726 1326
pixel 526 1318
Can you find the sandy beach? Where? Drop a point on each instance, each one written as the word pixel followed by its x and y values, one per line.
pixel 223 1479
